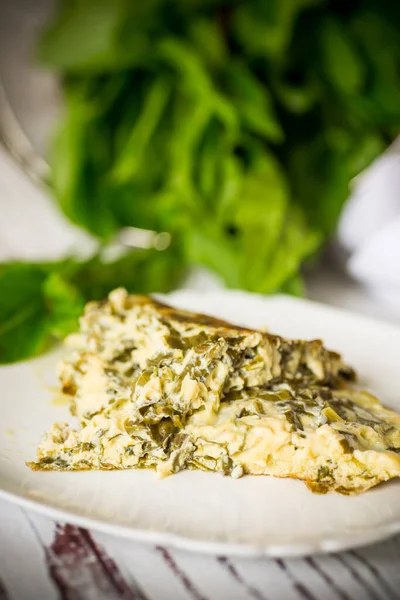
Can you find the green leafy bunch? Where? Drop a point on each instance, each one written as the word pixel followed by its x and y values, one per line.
pixel 234 125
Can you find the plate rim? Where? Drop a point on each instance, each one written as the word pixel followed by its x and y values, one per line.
pixel 298 549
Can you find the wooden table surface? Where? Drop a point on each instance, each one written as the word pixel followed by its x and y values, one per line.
pixel 41 559
pixel 44 560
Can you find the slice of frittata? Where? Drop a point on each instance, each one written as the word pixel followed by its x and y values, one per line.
pixel 171 362
pixel 152 386
pixel 340 440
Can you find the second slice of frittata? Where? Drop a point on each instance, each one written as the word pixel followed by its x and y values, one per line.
pixel 341 440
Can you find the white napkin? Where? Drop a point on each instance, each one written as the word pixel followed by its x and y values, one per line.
pixel 32 227
pixel 369 228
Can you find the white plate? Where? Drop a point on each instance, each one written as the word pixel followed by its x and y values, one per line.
pixel 204 511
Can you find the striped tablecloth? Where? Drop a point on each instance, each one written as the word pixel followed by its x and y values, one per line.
pixel 44 560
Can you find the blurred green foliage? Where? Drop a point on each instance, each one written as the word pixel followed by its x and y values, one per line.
pixel 41 302
pixel 234 125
